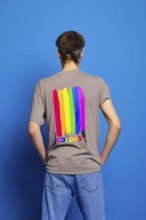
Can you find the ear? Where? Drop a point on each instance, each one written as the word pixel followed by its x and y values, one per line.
pixel 82 54
pixel 58 54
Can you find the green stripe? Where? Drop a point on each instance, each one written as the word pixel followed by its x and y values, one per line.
pixel 72 111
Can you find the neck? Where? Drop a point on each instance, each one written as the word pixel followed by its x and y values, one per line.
pixel 70 66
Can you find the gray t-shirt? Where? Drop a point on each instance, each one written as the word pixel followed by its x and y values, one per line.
pixel 70 102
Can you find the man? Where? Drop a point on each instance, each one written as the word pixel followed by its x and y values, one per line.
pixel 70 101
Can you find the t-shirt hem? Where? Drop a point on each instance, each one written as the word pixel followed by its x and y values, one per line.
pixel 37 122
pixel 104 101
pixel 73 172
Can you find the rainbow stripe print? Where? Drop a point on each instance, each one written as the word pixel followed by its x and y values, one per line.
pixel 69 112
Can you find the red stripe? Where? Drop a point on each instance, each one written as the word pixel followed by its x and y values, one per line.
pixel 57 113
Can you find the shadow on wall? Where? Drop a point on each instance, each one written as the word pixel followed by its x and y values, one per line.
pixel 22 180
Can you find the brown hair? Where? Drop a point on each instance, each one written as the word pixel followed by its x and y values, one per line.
pixel 70 44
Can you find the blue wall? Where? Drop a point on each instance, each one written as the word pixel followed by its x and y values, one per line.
pixel 115 33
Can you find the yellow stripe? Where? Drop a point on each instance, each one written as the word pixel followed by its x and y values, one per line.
pixel 67 111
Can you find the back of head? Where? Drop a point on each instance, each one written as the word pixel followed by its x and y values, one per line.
pixel 70 45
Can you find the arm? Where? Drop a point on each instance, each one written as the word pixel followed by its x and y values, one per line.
pixel 36 138
pixel 113 131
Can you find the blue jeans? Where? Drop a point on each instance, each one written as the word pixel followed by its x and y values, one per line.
pixel 59 189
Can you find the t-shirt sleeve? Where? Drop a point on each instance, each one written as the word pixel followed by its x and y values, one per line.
pixel 37 114
pixel 104 92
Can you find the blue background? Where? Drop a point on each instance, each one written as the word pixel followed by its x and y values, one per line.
pixel 115 33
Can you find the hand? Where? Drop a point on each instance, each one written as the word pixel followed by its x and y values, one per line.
pixel 103 159
pixel 44 160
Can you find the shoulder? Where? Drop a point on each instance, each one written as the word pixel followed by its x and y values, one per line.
pixel 46 80
pixel 98 80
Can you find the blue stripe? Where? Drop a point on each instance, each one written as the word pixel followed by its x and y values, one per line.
pixel 77 108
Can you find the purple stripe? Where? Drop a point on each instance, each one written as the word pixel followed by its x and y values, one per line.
pixel 82 108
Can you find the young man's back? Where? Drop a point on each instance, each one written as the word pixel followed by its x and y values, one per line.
pixel 70 101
